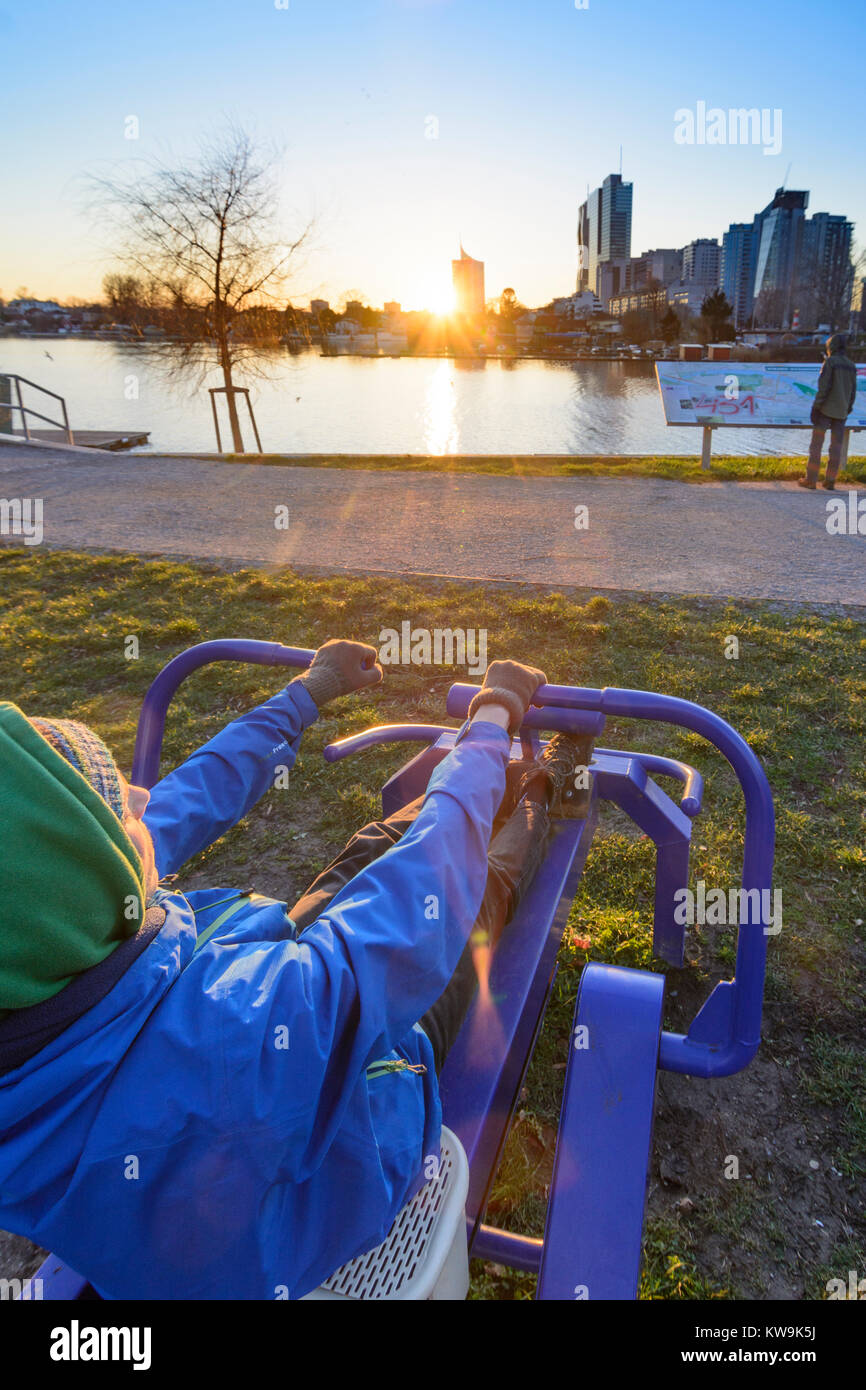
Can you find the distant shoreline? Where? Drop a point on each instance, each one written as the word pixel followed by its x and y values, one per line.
pixel 503 356
pixel 559 354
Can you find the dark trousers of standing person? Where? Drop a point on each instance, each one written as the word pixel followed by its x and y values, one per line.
pixel 519 833
pixel 821 423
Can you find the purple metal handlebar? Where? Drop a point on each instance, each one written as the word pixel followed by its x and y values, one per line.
pixel 151 721
pixel 726 1033
pixel 428 733
pixel 383 733
pixel 693 782
pixel 554 707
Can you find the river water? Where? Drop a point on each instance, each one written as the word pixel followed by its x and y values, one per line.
pixel 307 403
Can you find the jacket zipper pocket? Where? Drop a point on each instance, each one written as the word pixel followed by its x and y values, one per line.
pixel 394 1064
pixel 237 902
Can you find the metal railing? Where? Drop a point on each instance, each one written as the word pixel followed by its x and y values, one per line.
pixel 7 404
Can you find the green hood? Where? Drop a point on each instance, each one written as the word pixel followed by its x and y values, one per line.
pixel 71 881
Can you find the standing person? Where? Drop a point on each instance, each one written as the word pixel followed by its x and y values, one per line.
pixel 834 401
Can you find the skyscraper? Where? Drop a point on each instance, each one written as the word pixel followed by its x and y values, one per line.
pixel 467 276
pixel 784 262
pixel 588 223
pixel 737 268
pixel 825 279
pixel 778 233
pixel 701 261
pixel 615 219
pixel 700 274
pixel 604 235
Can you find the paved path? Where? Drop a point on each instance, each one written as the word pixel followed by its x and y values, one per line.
pixel 761 540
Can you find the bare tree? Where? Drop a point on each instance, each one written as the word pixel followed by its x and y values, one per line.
pixel 824 295
pixel 131 300
pixel 205 236
pixel 857 316
pixel 839 280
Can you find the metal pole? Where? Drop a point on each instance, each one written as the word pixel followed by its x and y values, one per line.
pixel 21 408
pixel 6 423
pixel 707 446
pixel 69 436
pixel 212 393
pixel 843 456
pixel 253 418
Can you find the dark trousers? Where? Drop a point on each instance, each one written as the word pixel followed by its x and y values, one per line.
pixel 821 423
pixel 517 841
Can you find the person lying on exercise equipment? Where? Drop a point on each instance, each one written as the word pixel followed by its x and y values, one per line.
pixel 208 1095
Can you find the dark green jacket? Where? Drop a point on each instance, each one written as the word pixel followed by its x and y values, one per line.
pixel 837 386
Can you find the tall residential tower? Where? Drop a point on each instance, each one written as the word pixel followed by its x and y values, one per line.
pixel 784 268
pixel 467 276
pixel 604 237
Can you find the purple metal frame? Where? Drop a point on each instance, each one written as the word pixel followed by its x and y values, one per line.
pixel 594 1228
pixel 607 1145
pixel 151 721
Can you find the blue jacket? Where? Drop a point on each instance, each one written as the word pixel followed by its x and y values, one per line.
pixel 213 1125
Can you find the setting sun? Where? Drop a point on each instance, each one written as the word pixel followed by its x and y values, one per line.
pixel 436 294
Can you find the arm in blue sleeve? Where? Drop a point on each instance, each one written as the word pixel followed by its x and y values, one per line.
pixel 209 793
pixel 360 976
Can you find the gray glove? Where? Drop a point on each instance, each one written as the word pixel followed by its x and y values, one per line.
pixel 511 684
pixel 338 668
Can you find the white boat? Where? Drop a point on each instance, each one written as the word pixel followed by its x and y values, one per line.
pixel 379 340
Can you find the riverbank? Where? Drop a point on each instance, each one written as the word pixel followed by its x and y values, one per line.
pixel 681 468
pixel 795 1117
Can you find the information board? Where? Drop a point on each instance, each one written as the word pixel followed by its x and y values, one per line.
pixel 766 394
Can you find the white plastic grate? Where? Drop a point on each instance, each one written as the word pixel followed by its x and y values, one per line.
pixel 385 1271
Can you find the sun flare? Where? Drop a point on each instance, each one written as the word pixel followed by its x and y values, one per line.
pixel 436 294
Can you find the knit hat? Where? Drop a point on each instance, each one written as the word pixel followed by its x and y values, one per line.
pixel 71 881
pixel 86 751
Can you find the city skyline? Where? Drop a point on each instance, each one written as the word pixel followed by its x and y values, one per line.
pixel 409 122
pixel 750 263
pixel 444 296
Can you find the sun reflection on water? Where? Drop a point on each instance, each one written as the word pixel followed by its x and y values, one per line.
pixel 440 420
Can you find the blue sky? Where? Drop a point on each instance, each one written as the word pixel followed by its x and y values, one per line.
pixel 533 99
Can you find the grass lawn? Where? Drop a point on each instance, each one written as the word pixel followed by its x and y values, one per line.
pixel 685 469
pixel 796 692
